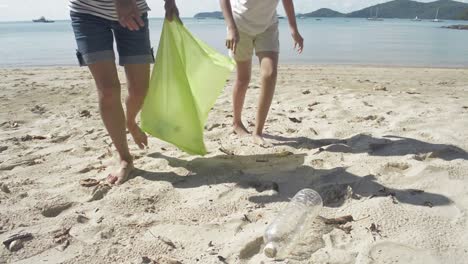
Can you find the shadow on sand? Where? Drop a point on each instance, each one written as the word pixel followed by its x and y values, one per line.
pixel 286 173
pixel 386 146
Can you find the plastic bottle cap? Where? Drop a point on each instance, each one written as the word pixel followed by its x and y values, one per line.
pixel 270 250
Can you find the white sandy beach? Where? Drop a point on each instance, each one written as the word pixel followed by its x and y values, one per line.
pixel 384 145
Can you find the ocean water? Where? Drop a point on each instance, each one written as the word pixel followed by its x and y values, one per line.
pixel 393 42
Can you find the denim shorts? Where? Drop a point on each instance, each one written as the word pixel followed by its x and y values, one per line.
pixel 95 40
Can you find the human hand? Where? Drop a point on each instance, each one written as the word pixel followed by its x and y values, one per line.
pixel 298 41
pixel 171 10
pixel 129 15
pixel 232 39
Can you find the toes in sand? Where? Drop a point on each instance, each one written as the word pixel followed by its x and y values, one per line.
pixel 122 174
pixel 259 140
pixel 240 130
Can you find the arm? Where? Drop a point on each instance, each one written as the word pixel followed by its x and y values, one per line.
pixel 298 40
pixel 233 34
pixel 129 14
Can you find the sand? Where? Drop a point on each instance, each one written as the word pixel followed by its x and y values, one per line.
pixel 385 145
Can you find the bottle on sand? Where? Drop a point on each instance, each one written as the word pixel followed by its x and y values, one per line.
pixel 306 203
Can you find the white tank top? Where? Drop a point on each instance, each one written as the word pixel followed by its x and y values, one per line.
pixel 254 16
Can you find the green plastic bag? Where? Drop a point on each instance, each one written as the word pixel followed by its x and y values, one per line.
pixel 187 78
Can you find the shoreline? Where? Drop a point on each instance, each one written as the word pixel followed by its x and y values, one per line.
pixel 285 64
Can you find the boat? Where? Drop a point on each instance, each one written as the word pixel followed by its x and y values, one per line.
pixel 416 19
pixel 43 20
pixel 376 17
pixel 436 19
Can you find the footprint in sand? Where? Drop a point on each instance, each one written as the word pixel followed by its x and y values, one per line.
pixel 392 168
pixel 55 208
pixel 99 192
pixel 251 248
pixel 308 241
pixel 390 252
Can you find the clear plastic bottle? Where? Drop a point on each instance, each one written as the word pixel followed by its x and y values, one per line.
pixel 306 203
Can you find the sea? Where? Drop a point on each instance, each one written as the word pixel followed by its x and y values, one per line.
pixel 335 41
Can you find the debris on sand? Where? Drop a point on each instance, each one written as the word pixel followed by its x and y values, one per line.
pixel 4 188
pixel 245 218
pixel 375 230
pixel 295 120
pixel 10 124
pixel 16 245
pixel 62 237
pixel 226 151
pixel 306 92
pixel 14 242
pixel 85 113
pixel 313 104
pixel 89 182
pixel 222 259
pixel 38 110
pixel 29 138
pixel 380 88
pixel 147 260
pixel 339 220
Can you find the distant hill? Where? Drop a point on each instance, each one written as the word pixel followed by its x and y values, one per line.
pixel 463 15
pixel 405 9
pixel 409 9
pixel 323 12
pixel 216 14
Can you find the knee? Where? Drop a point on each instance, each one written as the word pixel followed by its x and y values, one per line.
pixel 243 81
pixel 137 94
pixel 269 74
pixel 109 93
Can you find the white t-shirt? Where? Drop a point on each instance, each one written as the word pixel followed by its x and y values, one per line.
pixel 254 16
pixel 101 8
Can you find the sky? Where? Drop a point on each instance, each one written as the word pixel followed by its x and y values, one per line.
pixel 21 10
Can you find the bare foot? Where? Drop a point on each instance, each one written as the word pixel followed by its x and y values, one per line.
pixel 140 137
pixel 259 140
pixel 121 175
pixel 240 130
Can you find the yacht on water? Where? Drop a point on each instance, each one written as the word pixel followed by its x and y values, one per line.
pixel 376 17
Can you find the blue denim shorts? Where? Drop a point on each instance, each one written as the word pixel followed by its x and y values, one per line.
pixel 95 40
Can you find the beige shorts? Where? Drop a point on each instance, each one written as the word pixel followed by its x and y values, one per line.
pixel 263 42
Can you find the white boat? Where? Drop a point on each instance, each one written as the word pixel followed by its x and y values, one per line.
pixel 376 18
pixel 416 19
pixel 436 19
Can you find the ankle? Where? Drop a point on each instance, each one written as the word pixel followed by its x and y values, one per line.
pixel 237 124
pixel 126 159
pixel 131 124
